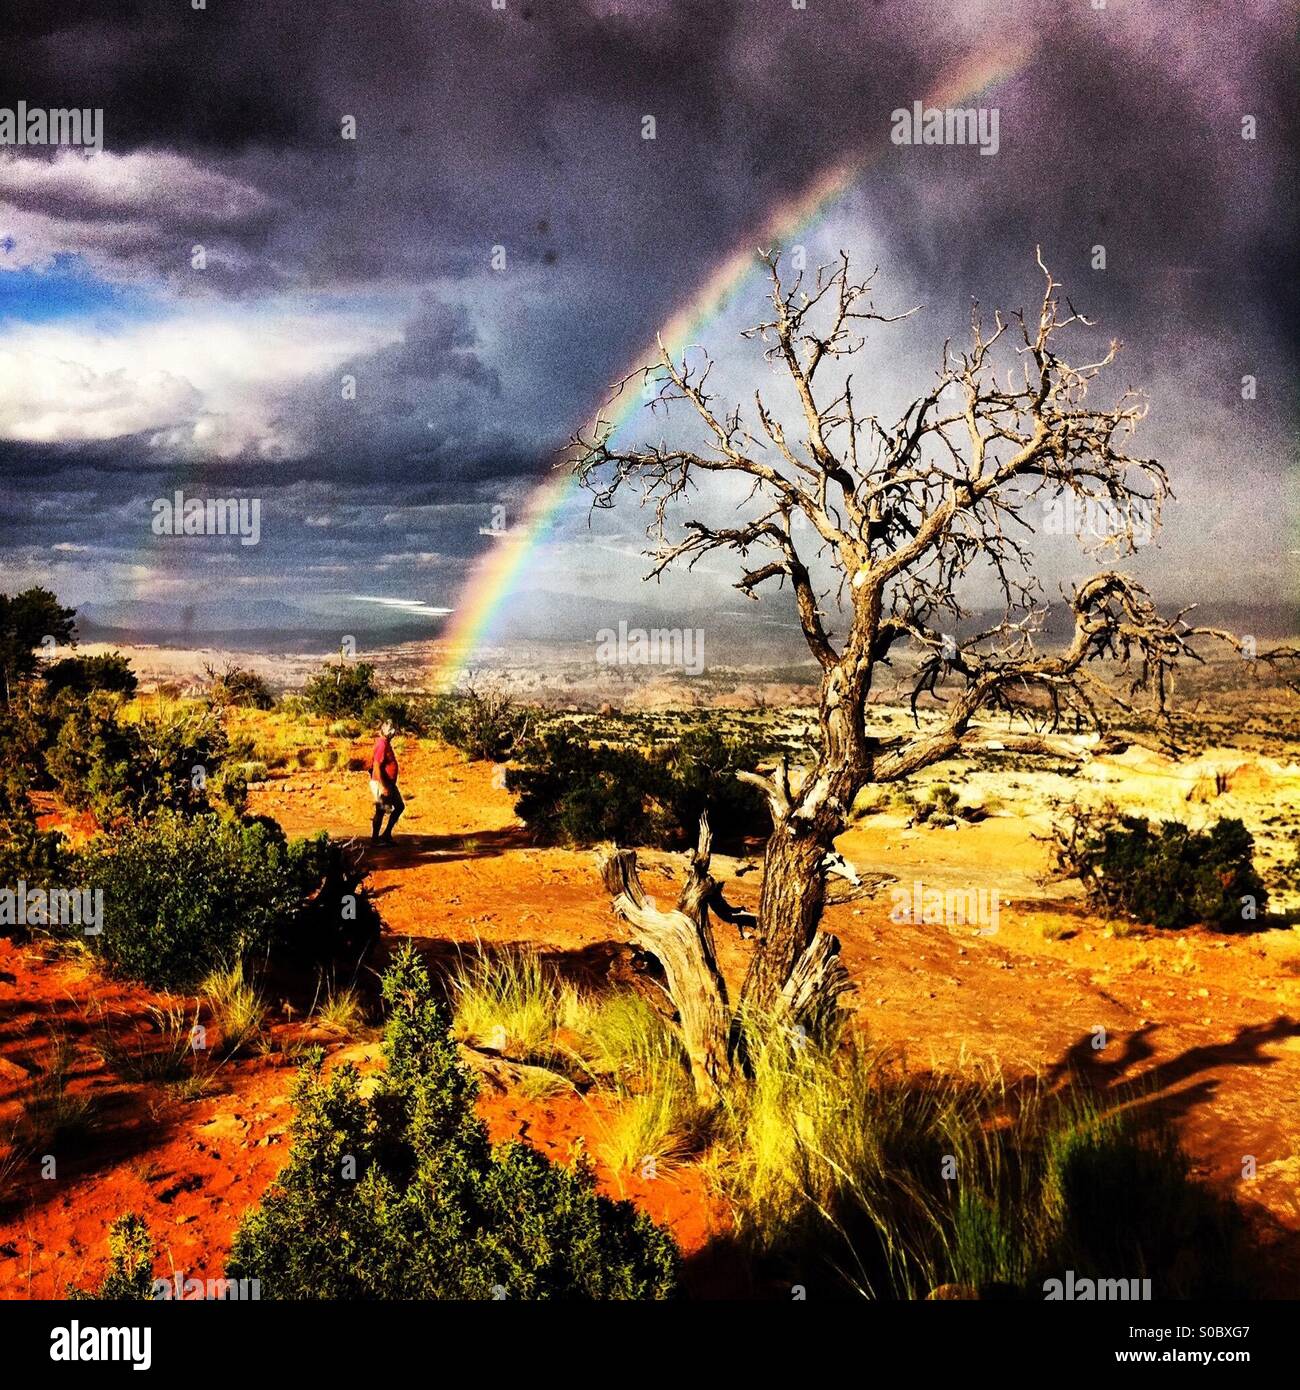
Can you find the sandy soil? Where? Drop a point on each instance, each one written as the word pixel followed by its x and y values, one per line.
pixel 1206 1024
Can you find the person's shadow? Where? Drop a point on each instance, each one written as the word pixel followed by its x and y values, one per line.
pixel 405 851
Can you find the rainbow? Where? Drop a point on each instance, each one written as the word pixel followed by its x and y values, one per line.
pixel 495 575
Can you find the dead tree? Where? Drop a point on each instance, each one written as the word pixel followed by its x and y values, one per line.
pixel 878 527
pixel 682 941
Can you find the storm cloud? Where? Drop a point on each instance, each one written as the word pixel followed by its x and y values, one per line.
pixel 390 334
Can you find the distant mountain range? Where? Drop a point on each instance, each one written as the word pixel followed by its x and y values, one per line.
pixel 143 616
pixel 531 616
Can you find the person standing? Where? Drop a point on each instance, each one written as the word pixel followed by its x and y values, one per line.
pixel 383 783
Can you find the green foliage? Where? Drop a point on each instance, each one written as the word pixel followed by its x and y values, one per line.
pixel 184 896
pixel 79 675
pixel 399 1194
pixel 95 759
pixel 26 727
pixel 659 1116
pixel 700 772
pixel 572 791
pixel 236 1004
pixel 130 1267
pixel 1168 875
pixel 37 857
pixel 1121 1199
pixel 515 1004
pixel 238 686
pixel 341 689
pixel 182 757
pixel 409 714
pixel 484 722
pixel 943 799
pixel 509 1001
pixel 231 787
pixel 26 620
pixel 116 768
pixel 859 1178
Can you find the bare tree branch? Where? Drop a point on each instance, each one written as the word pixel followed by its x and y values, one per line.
pixel 882 527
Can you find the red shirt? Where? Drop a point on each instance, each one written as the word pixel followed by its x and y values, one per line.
pixel 383 762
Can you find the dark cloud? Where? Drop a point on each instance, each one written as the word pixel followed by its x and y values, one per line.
pixel 438 343
pixel 522 129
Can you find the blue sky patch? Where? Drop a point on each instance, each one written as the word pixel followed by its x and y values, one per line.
pixel 68 289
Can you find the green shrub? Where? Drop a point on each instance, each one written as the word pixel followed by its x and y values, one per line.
pixel 700 773
pixel 571 791
pixel 238 686
pixel 943 798
pixel 26 852
pixel 409 714
pixel 183 756
pixel 1168 875
pixel 341 689
pixel 184 896
pixel 241 748
pixel 399 1194
pixel 130 1266
pixel 483 722
pixel 1121 1199
pixel 117 769
pixel 27 620
pixel 231 787
pixel 94 759
pixel 79 675
pixel 27 727
pixel 292 706
pixel 37 857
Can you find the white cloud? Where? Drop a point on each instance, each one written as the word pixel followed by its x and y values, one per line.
pixel 46 397
pixel 216 384
pixel 121 212
pixel 415 606
pixel 127 185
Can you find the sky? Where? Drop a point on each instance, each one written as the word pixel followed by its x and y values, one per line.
pixel 498 239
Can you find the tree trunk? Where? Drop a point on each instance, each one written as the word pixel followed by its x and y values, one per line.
pixel 811 997
pixel 682 941
pixel 794 878
pixel 790 909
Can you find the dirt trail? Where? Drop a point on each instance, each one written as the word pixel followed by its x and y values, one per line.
pixel 1206 1025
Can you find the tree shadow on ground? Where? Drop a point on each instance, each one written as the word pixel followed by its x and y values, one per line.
pixel 1161 1084
pixel 1124 1076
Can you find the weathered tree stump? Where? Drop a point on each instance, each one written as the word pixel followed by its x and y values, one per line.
pixel 682 941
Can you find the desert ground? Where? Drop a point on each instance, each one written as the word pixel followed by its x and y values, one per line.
pixel 1203 1025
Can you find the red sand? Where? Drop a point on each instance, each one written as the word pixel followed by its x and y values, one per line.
pixel 1205 1022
